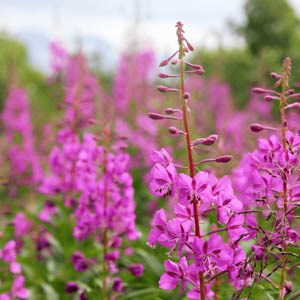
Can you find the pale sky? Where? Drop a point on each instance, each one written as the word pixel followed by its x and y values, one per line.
pixel 106 27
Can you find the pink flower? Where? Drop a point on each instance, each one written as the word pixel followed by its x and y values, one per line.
pixel 175 273
pixel 9 252
pixel 162 180
pixel 18 289
pixel 190 189
pixel 213 255
pixel 22 225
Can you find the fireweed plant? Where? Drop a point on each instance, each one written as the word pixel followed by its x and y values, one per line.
pixel 24 170
pixel 24 164
pixel 12 277
pixel 91 174
pixel 268 184
pixel 198 258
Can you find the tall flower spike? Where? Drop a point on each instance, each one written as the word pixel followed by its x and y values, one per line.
pixel 201 255
pixel 268 179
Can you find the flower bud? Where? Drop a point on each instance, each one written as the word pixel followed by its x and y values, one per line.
pixel 164 62
pixel 199 71
pixel 71 287
pixel 165 89
pixel 167 60
pixel 294 96
pixel 117 285
pixel 136 270
pixel 256 127
pixel 191 48
pixel 293 105
pixel 224 159
pixel 275 75
pixel 270 98
pixel 155 116
pixel 163 75
pixel 186 96
pixel 173 130
pixel 277 83
pixel 258 90
pixel 210 140
pixel 169 111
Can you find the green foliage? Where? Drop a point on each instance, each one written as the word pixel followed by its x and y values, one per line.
pixel 234 66
pixel 269 24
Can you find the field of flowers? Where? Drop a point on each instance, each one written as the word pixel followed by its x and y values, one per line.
pixel 159 188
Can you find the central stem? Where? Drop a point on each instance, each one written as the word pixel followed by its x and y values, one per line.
pixel 190 157
pixel 284 145
pixel 105 204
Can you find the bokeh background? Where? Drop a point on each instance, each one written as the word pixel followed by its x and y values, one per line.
pixel 238 42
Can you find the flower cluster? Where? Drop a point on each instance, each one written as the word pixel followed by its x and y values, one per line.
pixel 81 87
pixel 93 179
pixel 268 183
pixel 132 97
pixel 24 162
pixel 200 254
pixel 9 263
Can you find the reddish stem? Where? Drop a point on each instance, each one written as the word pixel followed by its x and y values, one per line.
pixel 190 158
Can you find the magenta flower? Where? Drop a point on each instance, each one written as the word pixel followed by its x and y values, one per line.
pixel 136 270
pixel 18 289
pixel 22 225
pixel 9 251
pixel 190 189
pixel 175 273
pixel 159 224
pixel 213 255
pixel 162 180
pixel 80 262
pixel 162 157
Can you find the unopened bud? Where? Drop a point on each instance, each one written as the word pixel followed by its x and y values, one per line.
pixel 277 83
pixel 173 130
pixel 293 105
pixel 155 116
pixel 71 287
pixel 186 96
pixel 199 71
pixel 163 75
pixel 275 75
pixel 164 62
pixel 294 96
pixel 258 90
pixel 210 140
pixel 291 92
pixel 224 159
pixel 169 111
pixel 165 89
pixel 205 141
pixel 167 60
pixel 189 45
pixel 270 98
pixel 174 61
pixel 256 127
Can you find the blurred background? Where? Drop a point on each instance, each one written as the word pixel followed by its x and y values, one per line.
pixel 251 35
pixel 118 45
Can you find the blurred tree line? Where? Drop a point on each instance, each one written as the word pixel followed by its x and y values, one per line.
pixel 17 71
pixel 271 31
